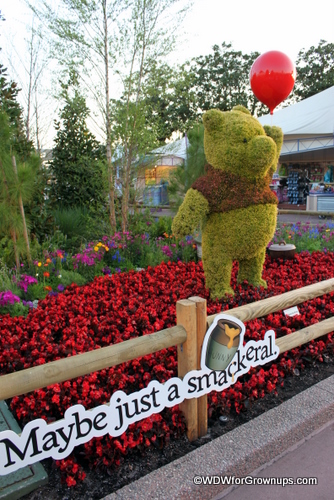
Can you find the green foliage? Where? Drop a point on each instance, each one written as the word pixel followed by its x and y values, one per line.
pixel 37 209
pixel 71 221
pixel 77 159
pixel 10 106
pixel 222 80
pixel 185 175
pixel 69 277
pixel 131 127
pixel 17 309
pixel 36 292
pixel 7 251
pixel 6 279
pixel 162 227
pixel 170 100
pixel 145 223
pixel 88 273
pixel 17 189
pixel 315 70
pixel 96 222
pixel 35 205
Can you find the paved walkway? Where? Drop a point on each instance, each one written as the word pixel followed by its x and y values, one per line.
pixel 310 461
pixel 295 439
pixel 283 216
pixel 294 217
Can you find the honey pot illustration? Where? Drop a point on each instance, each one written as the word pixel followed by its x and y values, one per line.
pixel 222 345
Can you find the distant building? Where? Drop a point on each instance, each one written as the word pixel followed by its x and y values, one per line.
pixel 155 170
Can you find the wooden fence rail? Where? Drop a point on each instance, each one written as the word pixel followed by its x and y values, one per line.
pixel 188 335
pixel 276 303
pixel 30 379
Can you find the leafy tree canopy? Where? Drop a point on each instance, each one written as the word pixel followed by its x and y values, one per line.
pixel 315 70
pixel 9 105
pixel 222 80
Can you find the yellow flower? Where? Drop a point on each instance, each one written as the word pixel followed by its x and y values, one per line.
pixel 96 249
pixel 39 264
pixel 327 230
pixel 100 244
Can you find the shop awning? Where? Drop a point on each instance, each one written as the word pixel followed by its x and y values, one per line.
pixel 308 127
pixel 314 115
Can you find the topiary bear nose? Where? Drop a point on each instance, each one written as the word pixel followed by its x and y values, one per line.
pixel 261 154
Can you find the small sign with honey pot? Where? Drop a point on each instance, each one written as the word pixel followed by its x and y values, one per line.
pixel 222 342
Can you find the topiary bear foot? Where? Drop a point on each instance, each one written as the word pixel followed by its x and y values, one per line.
pixel 259 283
pixel 221 293
pixel 251 270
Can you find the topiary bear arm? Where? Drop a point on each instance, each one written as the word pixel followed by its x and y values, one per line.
pixel 276 134
pixel 192 211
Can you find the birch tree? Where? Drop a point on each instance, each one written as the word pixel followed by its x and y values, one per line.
pixel 82 37
pixel 114 38
pixel 147 36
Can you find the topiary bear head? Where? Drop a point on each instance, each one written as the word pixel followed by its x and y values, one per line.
pixel 235 141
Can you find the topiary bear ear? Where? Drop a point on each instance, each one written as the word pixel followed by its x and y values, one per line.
pixel 213 119
pixel 242 109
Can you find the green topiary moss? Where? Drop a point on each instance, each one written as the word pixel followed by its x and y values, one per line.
pixel 233 201
pixel 241 235
pixel 277 135
pixel 190 214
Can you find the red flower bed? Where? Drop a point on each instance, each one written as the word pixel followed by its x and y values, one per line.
pixel 115 308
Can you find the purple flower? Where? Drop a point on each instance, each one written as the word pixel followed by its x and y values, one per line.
pixel 8 298
pixel 61 288
pixel 28 303
pixel 167 251
pixel 25 281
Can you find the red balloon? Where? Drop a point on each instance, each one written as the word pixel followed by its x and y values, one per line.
pixel 272 78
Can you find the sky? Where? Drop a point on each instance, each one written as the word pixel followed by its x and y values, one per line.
pixel 287 25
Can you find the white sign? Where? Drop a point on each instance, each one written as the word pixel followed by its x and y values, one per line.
pixel 292 311
pixel 224 359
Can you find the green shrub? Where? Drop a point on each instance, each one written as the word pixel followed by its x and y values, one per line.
pixel 69 277
pixel 17 309
pixel 35 292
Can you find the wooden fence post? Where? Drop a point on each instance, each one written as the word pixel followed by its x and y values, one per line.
pixel 202 402
pixel 187 360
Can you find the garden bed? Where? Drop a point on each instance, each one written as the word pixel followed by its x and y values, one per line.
pixel 126 305
pixel 99 484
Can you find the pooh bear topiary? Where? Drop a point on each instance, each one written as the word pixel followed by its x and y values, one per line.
pixel 233 202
